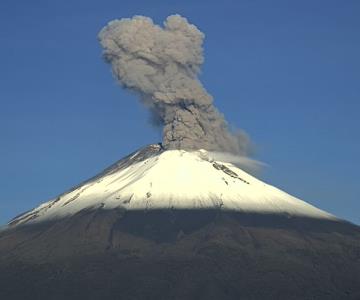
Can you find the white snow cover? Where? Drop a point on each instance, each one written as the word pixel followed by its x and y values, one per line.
pixel 155 179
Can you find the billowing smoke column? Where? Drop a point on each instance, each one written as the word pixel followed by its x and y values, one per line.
pixel 162 65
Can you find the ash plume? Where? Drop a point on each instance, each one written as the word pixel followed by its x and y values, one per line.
pixel 162 64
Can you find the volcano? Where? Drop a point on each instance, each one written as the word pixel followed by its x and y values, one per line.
pixel 176 224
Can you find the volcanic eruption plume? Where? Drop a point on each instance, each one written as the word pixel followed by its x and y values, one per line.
pixel 162 66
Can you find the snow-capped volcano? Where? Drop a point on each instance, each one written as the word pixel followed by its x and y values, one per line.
pixel 153 178
pixel 175 224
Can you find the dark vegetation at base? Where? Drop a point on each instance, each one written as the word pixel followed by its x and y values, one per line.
pixel 180 254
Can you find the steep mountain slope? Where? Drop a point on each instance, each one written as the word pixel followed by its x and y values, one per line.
pixel 155 179
pixel 178 225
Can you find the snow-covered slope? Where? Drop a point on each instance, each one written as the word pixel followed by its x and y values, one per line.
pixel 152 178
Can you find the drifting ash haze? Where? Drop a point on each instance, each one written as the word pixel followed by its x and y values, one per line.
pixel 162 66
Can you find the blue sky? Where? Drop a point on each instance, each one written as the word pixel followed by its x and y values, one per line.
pixel 287 72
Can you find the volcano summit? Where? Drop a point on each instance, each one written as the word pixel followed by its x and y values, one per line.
pixel 154 179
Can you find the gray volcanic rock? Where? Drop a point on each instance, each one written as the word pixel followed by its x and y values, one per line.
pixel 189 254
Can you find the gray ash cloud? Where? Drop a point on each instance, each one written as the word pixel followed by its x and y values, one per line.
pixel 161 64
